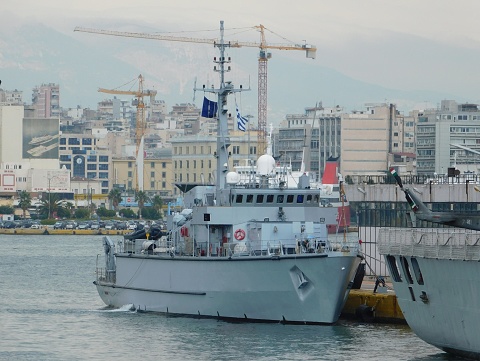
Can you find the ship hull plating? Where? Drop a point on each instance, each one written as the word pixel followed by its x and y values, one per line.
pixel 437 286
pixel 296 289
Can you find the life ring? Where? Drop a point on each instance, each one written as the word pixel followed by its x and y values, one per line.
pixel 184 232
pixel 239 234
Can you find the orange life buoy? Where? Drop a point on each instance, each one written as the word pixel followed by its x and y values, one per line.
pixel 239 234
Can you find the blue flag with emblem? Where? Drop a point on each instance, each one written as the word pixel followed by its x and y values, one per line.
pixel 241 121
pixel 209 108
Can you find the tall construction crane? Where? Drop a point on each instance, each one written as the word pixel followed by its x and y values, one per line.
pixel 140 118
pixel 263 57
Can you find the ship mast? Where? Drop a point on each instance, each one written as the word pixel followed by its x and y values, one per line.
pixel 226 88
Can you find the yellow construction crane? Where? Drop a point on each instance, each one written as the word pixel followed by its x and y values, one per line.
pixel 140 118
pixel 263 57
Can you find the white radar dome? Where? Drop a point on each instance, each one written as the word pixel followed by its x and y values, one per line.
pixel 265 165
pixel 233 178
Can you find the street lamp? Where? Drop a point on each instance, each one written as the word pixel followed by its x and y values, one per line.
pixel 49 193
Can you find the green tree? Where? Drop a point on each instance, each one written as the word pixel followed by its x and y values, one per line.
pixel 157 203
pixel 82 213
pixel 50 204
pixel 103 212
pixel 141 198
pixel 6 210
pixel 127 213
pixel 115 196
pixel 150 213
pixel 25 201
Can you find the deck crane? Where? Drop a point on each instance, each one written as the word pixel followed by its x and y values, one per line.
pixel 140 94
pixel 263 57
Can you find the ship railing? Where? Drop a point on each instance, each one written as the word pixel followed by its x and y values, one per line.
pixel 104 275
pixel 440 243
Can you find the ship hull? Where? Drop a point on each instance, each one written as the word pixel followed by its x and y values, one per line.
pixel 440 298
pixel 290 289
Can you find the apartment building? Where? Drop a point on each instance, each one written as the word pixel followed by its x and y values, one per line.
pixel 46 101
pixel 194 157
pixel 448 137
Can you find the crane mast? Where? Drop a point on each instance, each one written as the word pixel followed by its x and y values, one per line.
pixel 140 116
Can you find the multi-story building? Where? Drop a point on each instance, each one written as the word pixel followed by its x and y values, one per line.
pixel 448 137
pixel 46 101
pixel 194 160
pixel 82 154
pixel 310 138
pixel 367 140
pixel 11 97
pixel 157 173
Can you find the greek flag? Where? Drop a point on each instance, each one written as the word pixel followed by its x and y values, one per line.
pixel 241 121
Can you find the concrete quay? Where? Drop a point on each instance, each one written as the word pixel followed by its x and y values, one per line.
pixel 365 305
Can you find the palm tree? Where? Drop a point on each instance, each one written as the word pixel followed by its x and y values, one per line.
pixel 115 196
pixel 141 197
pixel 157 203
pixel 50 205
pixel 25 201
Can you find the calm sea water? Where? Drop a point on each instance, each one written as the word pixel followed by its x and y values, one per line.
pixel 50 310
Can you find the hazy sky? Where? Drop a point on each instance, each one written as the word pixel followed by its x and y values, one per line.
pixel 376 41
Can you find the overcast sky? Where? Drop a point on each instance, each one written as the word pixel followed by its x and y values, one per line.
pixel 376 41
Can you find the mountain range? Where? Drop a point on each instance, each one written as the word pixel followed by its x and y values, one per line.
pixel 33 53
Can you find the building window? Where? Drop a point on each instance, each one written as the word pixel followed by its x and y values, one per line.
pixel 130 174
pixel 194 164
pixel 152 174
pixel 103 175
pixel 164 184
pixel 164 165
pixel 103 166
pixel 103 158
pixel 164 174
pixel 129 164
pixel 152 185
pixel 92 158
pixel 152 164
pixel 91 166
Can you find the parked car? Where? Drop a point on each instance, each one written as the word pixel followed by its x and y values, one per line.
pixel 59 225
pixel 69 225
pixel 83 225
pixel 94 225
pixel 120 225
pixel 109 225
pixel 36 225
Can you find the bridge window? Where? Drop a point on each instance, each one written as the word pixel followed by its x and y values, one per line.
pixel 300 198
pixel 259 198
pixel 249 198
pixel 280 198
pixel 290 198
pixel 239 198
pixel 269 198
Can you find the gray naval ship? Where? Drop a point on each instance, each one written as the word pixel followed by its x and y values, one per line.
pixel 236 252
pixel 435 273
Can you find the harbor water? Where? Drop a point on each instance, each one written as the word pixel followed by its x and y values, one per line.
pixel 50 310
